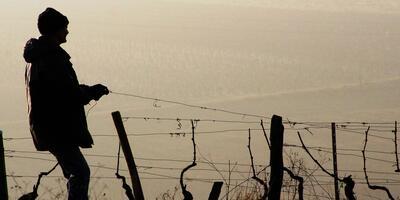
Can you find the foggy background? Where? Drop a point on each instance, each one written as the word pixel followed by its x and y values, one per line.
pixel 330 60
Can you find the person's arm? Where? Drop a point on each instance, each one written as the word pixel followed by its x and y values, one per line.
pixel 85 94
pixel 59 79
pixel 94 92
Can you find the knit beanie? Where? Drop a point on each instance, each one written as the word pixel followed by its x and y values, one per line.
pixel 50 21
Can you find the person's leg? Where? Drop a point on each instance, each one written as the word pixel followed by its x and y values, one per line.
pixel 75 169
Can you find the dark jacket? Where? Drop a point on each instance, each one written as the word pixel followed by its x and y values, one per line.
pixel 55 97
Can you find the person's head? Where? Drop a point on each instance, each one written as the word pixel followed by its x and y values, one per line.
pixel 53 24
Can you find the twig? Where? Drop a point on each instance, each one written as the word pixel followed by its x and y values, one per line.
pixel 186 194
pixel 300 188
pixel 347 180
pixel 265 134
pixel 17 186
pixel 308 175
pixel 313 178
pixel 211 164
pixel 245 181
pixel 230 170
pixel 263 183
pixel 372 187
pixel 229 179
pixel 300 179
pixel 127 188
pixel 43 174
pixel 33 195
pixel 315 160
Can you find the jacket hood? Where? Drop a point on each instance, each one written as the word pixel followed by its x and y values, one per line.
pixel 36 48
pixel 32 50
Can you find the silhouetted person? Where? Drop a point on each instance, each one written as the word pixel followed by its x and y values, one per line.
pixel 56 99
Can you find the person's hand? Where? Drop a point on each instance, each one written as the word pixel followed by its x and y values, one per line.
pixel 98 91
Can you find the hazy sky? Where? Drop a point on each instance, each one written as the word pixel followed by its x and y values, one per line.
pixel 222 49
pixel 306 59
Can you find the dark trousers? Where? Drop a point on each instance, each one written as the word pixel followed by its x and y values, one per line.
pixel 75 169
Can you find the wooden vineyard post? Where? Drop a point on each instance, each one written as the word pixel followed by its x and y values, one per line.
pixel 216 190
pixel 3 176
pixel 137 187
pixel 334 156
pixel 276 157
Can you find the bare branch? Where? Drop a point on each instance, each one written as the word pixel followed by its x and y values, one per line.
pixel 315 160
pixel 263 183
pixel 313 178
pixel 33 195
pixel 347 180
pixel 229 179
pixel 127 188
pixel 300 179
pixel 265 134
pixel 372 187
pixel 211 164
pixel 186 194
pixel 245 181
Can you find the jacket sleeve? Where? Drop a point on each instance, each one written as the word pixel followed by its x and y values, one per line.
pixel 85 94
